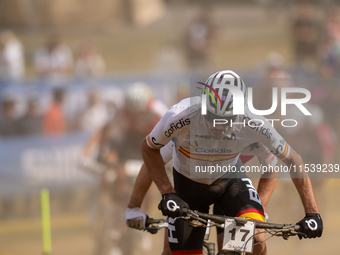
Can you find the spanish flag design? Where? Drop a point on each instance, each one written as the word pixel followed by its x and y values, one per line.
pixel 285 152
pixel 150 143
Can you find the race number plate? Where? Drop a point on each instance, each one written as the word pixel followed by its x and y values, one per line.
pixel 238 238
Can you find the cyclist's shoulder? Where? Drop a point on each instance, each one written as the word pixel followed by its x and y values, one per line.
pixel 251 120
pixel 254 126
pixel 158 107
pixel 188 103
pixel 249 117
pixel 185 107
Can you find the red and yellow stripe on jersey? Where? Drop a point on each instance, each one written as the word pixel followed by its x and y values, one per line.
pixel 194 252
pixel 150 143
pixel 251 214
pixel 208 157
pixel 285 152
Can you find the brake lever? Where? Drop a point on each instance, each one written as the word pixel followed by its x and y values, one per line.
pixel 152 230
pixel 182 217
pixel 194 215
pixel 286 233
pixel 193 218
pixel 189 215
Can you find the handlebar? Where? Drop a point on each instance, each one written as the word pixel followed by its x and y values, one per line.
pixel 150 221
pixel 267 225
pixel 197 219
pixel 153 225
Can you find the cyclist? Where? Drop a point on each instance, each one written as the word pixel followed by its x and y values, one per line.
pixel 136 219
pixel 140 113
pixel 198 142
pixel 132 122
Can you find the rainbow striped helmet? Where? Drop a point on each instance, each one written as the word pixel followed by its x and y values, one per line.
pixel 220 98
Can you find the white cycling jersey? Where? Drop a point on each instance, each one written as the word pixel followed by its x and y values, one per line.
pixel 265 157
pixel 167 151
pixel 194 146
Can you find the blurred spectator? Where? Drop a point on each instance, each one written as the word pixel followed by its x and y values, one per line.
pixel 306 35
pixel 330 56
pixel 330 50
pixel 95 115
pixel 315 139
pixel 316 142
pixel 12 64
pixel 331 104
pixel 89 62
pixel 31 122
pixel 275 67
pixel 8 121
pixel 54 59
pixel 169 60
pixel 54 120
pixel 198 41
pixel 274 76
pixel 332 25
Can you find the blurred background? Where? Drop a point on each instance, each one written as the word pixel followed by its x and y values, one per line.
pixel 83 82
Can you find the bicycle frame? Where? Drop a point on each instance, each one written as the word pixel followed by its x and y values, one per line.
pixel 160 223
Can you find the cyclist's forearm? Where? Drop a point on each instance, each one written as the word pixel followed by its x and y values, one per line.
pixel 265 190
pixel 304 187
pixel 142 185
pixel 155 165
pixel 302 183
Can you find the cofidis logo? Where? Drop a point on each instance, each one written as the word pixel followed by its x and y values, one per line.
pixel 239 99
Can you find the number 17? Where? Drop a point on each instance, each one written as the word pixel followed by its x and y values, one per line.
pixel 233 233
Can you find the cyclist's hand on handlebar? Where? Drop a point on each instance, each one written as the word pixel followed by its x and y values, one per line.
pixel 172 205
pixel 134 218
pixel 311 225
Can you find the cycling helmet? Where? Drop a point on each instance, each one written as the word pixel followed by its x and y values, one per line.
pixel 222 105
pixel 138 97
